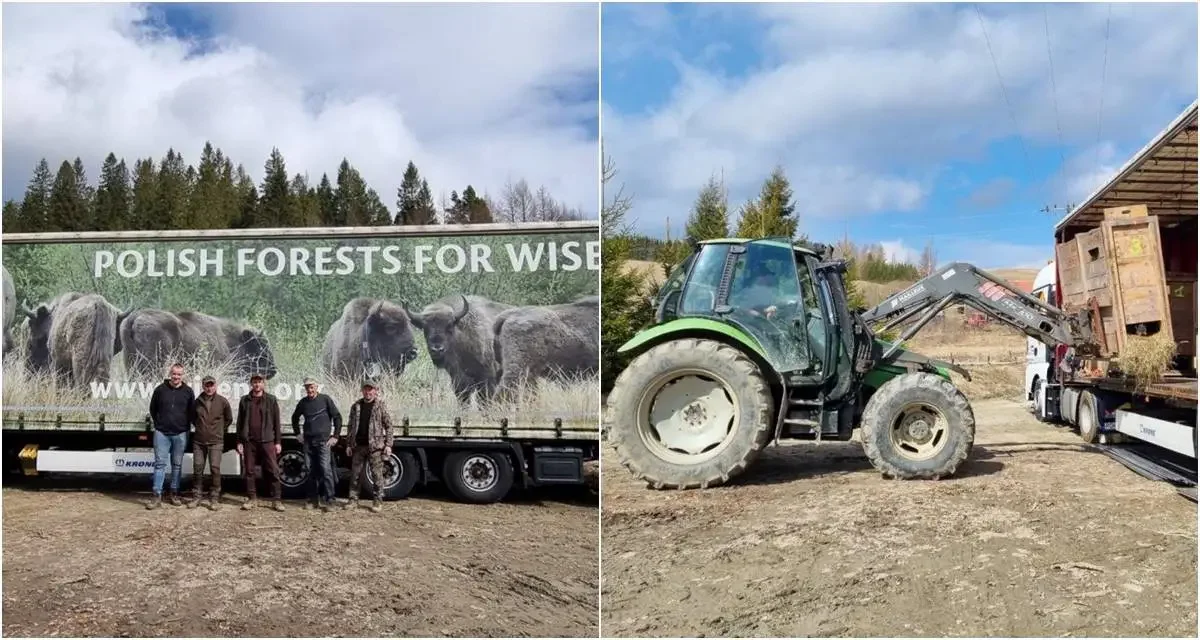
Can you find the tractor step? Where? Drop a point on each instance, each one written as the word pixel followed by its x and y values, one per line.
pixel 804 402
pixel 801 422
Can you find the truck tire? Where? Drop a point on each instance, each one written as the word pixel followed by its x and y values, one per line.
pixel 478 476
pixel 293 472
pixel 918 425
pixel 401 471
pixel 1039 401
pixel 1085 416
pixel 689 414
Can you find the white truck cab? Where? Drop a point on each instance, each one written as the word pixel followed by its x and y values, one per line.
pixel 1038 354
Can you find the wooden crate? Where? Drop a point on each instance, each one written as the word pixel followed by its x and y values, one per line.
pixel 1124 213
pixel 1181 290
pixel 1137 277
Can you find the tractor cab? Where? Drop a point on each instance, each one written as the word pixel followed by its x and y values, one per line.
pixel 766 288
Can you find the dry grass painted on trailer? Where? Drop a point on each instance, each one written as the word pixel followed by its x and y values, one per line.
pixel 422 392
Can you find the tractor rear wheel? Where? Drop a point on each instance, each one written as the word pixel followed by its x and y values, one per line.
pixel 689 413
pixel 918 425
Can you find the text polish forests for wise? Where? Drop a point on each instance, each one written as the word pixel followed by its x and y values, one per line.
pixel 345 260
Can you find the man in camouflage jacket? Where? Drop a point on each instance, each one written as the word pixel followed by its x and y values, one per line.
pixel 370 436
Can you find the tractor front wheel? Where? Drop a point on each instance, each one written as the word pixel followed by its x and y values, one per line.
pixel 689 414
pixel 918 425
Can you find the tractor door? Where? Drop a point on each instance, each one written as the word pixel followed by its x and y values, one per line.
pixel 762 295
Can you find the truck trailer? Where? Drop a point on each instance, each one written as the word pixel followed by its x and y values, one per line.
pixel 1128 255
pixel 483 340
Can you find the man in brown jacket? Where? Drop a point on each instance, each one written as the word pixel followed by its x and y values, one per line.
pixel 213 417
pixel 370 436
pixel 260 441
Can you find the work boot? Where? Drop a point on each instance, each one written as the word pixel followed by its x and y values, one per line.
pixel 175 499
pixel 309 506
pixel 376 505
pixel 196 498
pixel 249 504
pixel 352 504
pixel 277 505
pixel 214 502
pixel 154 502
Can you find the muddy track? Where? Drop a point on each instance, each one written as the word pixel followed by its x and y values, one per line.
pixel 87 563
pixel 1036 535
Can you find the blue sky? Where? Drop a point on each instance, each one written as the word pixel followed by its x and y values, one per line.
pixel 890 119
pixel 378 84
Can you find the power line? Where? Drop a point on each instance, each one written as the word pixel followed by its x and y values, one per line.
pixel 1103 81
pixel 1054 87
pixel 1012 114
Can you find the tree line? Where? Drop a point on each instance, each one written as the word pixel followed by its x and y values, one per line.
pixel 628 300
pixel 218 194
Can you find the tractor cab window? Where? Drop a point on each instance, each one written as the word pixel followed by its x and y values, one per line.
pixel 765 299
pixel 700 292
pixel 669 294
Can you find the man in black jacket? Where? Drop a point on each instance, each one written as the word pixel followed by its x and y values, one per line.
pixel 322 422
pixel 172 411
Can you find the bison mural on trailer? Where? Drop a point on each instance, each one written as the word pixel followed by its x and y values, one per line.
pixel 154 337
pixel 458 334
pixel 553 342
pixel 10 310
pixel 371 337
pixel 75 337
pixel 397 307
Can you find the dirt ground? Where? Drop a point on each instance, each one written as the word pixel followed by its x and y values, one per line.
pixel 1036 536
pixel 97 563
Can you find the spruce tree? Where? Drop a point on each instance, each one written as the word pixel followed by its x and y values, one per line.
pixel 772 214
pixel 327 201
pixel 144 206
pixel 304 200
pixel 173 191
pixel 113 196
pixel 275 202
pixel 425 212
pixel 710 214
pixel 67 209
pixel 35 207
pixel 408 196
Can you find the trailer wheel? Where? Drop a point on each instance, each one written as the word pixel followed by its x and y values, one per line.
pixel 689 413
pixel 1039 401
pixel 293 472
pixel 918 425
pixel 400 472
pixel 1089 423
pixel 478 476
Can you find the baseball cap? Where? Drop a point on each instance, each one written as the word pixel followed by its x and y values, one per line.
pixel 308 381
pixel 208 379
pixel 257 376
pixel 369 383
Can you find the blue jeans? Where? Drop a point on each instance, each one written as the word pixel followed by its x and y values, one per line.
pixel 164 446
pixel 320 482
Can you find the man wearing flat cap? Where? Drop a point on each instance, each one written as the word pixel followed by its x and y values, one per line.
pixel 369 437
pixel 322 422
pixel 260 440
pixel 213 418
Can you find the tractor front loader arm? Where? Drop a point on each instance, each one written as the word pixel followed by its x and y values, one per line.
pixel 967 284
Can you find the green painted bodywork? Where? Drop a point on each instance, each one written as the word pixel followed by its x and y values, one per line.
pixel 654 335
pixel 681 325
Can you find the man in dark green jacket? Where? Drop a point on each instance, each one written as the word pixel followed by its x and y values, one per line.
pixel 260 441
pixel 213 418
pixel 322 422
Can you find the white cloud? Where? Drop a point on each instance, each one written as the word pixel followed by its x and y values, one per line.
pixel 473 94
pixel 897 251
pixel 866 105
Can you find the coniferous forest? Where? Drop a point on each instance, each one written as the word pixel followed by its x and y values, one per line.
pixel 217 193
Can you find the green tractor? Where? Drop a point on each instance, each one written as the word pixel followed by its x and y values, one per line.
pixel 754 342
